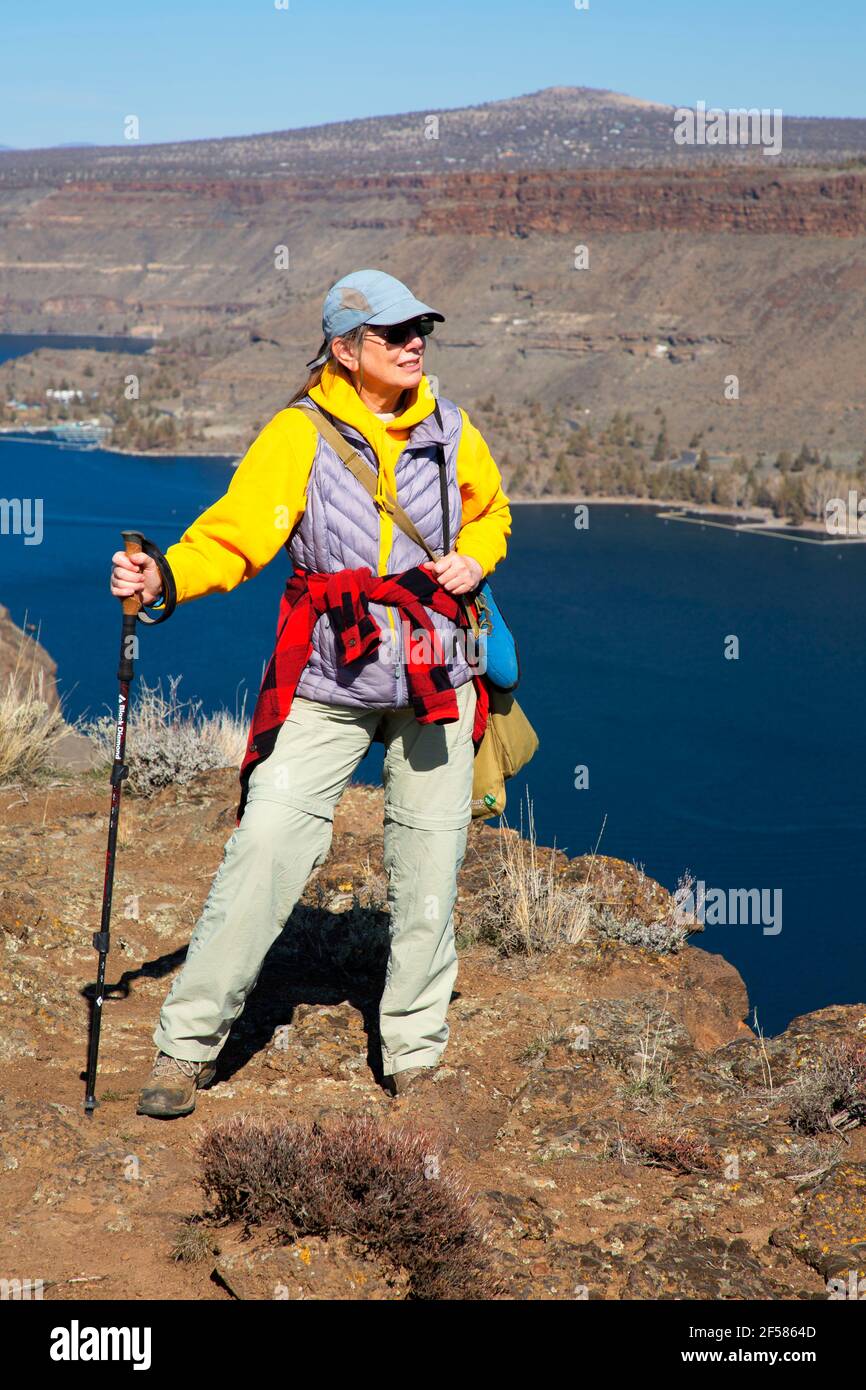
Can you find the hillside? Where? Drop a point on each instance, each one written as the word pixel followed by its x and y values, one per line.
pixel 556 128
pixel 643 288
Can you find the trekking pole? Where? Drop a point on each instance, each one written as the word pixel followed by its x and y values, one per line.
pixel 131 606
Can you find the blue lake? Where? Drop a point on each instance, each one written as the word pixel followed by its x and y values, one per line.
pixel 750 773
pixel 18 344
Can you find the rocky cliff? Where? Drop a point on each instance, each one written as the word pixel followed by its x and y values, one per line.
pixel 28 672
pixel 688 279
pixel 23 660
pixel 785 203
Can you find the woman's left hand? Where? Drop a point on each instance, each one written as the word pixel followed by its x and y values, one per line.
pixel 456 573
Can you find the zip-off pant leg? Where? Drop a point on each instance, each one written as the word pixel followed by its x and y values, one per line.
pixel 285 832
pixel 428 808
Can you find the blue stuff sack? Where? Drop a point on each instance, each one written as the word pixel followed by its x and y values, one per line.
pixel 497 647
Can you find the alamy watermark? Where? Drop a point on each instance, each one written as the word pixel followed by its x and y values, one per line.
pixel 739 126
pixel 21 1290
pixel 77 1343
pixel 22 516
pixel 437 647
pixel 847 1285
pixel 846 516
pixel 729 907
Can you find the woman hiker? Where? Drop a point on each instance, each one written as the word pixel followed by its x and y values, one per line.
pixel 346 669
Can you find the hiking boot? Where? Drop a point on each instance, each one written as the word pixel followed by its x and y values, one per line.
pixel 170 1089
pixel 402 1081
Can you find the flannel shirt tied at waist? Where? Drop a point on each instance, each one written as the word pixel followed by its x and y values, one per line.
pixel 345 595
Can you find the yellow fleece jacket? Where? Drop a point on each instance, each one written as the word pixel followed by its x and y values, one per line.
pixel 236 537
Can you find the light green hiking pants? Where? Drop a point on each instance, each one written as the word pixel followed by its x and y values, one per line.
pixel 285 832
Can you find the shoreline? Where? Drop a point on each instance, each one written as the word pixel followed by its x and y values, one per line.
pixel 160 454
pixel 37 434
pixel 755 522
pixel 758 521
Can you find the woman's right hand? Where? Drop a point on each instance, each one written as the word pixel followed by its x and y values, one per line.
pixel 135 574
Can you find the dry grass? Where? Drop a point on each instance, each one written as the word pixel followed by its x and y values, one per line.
pixel 227 734
pixel 29 730
pixel 384 1189
pixel 814 1158
pixel 766 1069
pixel 832 1094
pixel 192 1243
pixel 651 1076
pixel 552 1035
pixel 525 908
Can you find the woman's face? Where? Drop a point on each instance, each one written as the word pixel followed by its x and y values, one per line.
pixel 387 368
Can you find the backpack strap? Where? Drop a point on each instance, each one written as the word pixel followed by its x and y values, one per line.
pixel 470 612
pixel 443 485
pixel 360 469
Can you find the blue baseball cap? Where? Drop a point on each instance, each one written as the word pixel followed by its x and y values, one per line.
pixel 367 296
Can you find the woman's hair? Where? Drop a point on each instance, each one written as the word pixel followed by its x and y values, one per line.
pixel 355 339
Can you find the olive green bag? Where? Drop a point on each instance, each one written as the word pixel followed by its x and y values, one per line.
pixel 509 740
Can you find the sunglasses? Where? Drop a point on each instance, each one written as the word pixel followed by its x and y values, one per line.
pixel 396 334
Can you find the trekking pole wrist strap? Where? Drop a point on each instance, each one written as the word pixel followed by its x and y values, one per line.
pixel 167 601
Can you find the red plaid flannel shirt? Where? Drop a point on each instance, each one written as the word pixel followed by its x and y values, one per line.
pixel 345 595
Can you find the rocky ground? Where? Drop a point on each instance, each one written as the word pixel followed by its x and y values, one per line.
pixel 626 1134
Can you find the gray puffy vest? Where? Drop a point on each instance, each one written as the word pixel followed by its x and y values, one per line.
pixel 340 530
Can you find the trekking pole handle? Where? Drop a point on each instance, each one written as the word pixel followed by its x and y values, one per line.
pixel 133 542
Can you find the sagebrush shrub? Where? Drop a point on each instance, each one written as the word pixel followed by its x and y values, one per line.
pixel 168 741
pixel 383 1188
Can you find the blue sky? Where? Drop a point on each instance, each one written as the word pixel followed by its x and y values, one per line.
pixel 196 68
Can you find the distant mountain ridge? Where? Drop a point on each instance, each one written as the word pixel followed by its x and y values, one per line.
pixel 556 128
